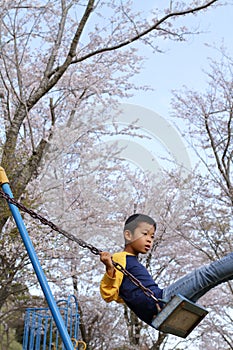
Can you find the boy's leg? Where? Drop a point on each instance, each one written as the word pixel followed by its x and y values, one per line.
pixel 197 283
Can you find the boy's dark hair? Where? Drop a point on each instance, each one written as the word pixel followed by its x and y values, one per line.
pixel 134 220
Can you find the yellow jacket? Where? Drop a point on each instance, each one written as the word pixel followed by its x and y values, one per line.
pixel 109 287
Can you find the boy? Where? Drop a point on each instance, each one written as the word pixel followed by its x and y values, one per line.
pixel 139 231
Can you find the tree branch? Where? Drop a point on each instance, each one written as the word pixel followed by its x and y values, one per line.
pixel 144 33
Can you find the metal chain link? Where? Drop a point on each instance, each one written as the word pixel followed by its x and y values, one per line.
pixel 46 222
pixel 81 243
pixel 148 292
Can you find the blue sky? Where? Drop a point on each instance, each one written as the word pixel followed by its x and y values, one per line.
pixel 182 63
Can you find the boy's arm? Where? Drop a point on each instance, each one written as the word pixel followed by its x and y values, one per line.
pixel 106 259
pixel 111 281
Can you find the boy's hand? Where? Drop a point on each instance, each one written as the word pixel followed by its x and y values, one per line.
pixel 106 259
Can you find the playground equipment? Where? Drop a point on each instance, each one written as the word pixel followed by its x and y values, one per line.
pixel 40 331
pixel 36 264
pixel 179 316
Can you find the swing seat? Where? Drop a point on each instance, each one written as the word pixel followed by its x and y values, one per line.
pixel 179 317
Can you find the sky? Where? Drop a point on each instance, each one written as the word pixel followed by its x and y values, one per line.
pixel 180 64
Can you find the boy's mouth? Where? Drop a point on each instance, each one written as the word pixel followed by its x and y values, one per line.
pixel 147 247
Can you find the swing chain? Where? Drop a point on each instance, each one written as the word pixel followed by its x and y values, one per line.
pixel 81 243
pixel 46 222
pixel 133 279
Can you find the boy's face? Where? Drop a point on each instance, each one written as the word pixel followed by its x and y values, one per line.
pixel 141 240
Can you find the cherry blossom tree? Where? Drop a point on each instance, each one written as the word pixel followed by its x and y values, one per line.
pixel 55 54
pixel 64 66
pixel 208 118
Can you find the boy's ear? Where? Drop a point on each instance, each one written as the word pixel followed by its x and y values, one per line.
pixel 128 235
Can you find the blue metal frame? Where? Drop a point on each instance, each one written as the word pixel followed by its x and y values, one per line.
pixel 39 332
pixel 38 270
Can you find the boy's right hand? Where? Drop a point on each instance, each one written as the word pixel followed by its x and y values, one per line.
pixel 106 259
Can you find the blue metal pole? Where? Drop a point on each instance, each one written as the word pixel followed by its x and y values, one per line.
pixel 38 270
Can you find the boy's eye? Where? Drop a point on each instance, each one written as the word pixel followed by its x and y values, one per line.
pixel 146 233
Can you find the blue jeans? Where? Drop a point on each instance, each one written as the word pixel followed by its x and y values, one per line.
pixel 195 284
